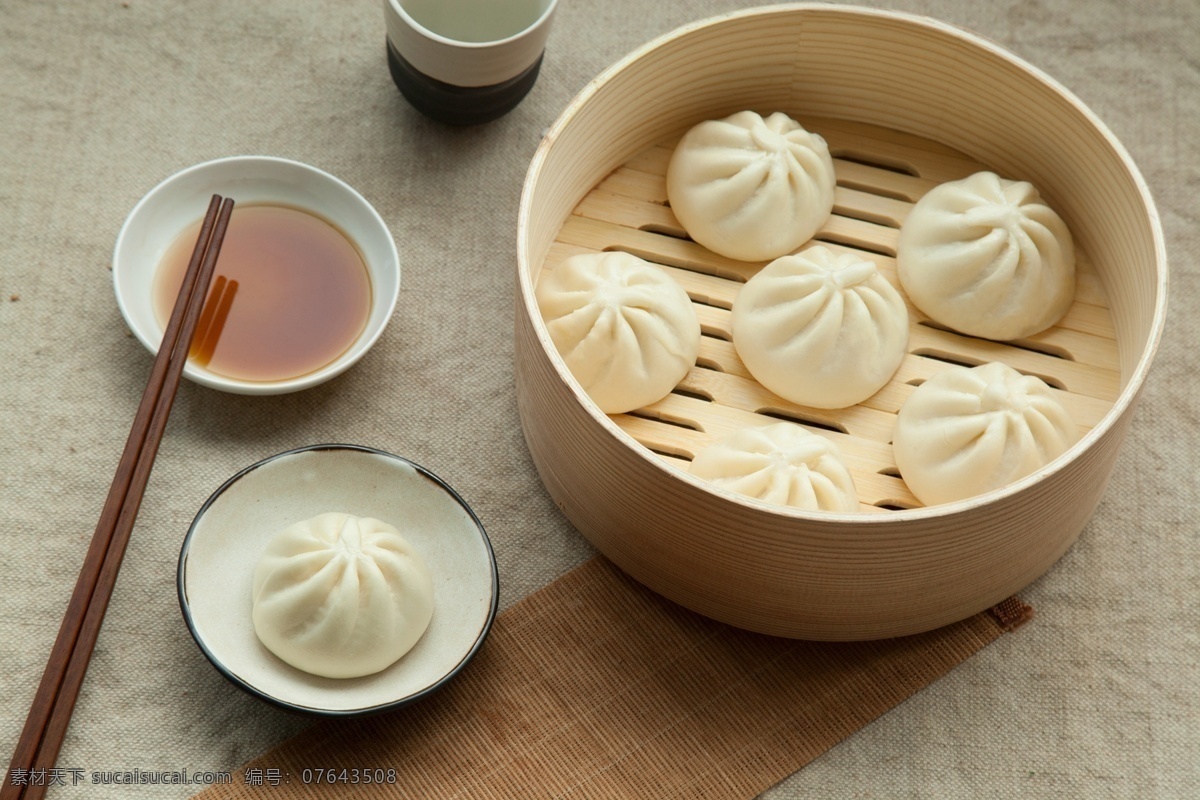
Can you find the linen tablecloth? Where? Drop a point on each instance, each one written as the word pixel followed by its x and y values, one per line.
pixel 100 100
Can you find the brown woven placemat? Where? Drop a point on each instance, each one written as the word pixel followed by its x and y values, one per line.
pixel 595 687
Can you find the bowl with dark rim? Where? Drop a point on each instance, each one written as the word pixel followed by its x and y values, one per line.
pixel 228 535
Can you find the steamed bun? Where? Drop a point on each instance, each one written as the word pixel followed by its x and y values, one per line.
pixel 969 430
pixel 751 188
pixel 341 596
pixel 627 331
pixel 821 329
pixel 987 257
pixel 780 463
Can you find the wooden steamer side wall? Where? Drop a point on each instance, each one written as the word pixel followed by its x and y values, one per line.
pixel 807 575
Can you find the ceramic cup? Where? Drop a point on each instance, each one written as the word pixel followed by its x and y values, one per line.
pixel 465 62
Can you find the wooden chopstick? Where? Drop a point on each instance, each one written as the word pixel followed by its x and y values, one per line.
pixel 49 714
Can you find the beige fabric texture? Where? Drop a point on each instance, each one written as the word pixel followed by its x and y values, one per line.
pixel 595 686
pixel 99 101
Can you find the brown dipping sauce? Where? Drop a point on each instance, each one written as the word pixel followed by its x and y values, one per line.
pixel 290 294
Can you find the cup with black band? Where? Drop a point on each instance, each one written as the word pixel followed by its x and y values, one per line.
pixel 466 62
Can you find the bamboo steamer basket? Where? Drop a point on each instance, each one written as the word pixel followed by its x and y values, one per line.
pixel 905 103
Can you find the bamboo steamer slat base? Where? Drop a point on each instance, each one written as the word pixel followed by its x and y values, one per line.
pixel 629 211
pixel 905 104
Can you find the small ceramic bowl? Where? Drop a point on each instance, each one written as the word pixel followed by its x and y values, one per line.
pixel 228 535
pixel 179 201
